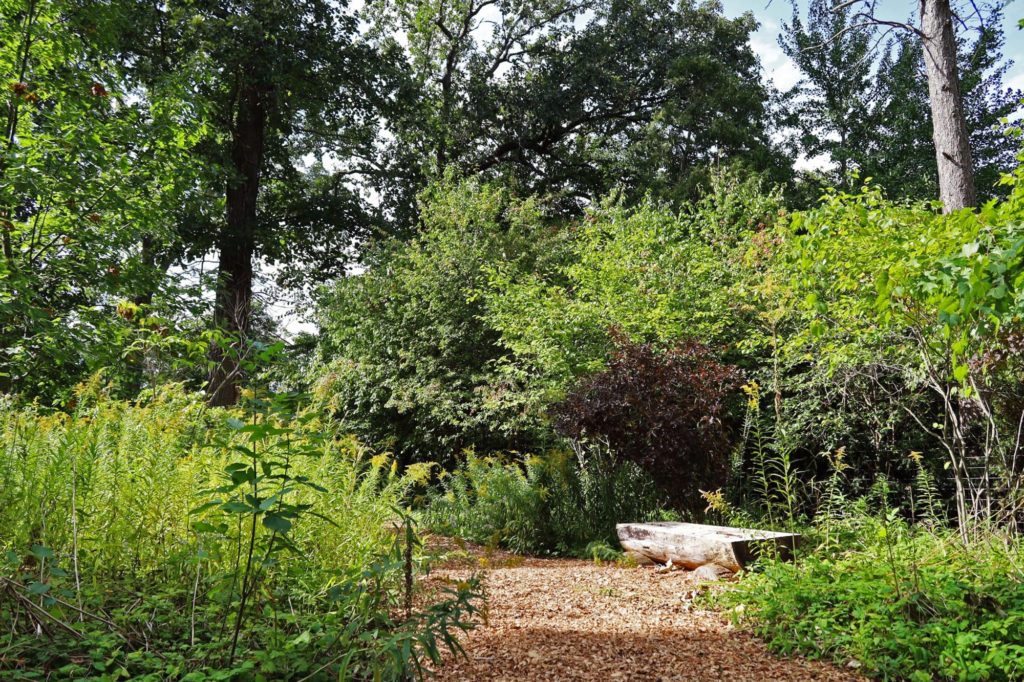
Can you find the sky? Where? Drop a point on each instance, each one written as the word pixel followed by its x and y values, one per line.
pixel 771 14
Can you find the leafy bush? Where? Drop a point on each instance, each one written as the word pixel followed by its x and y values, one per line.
pixel 664 411
pixel 652 273
pixel 894 598
pixel 555 503
pixel 258 541
pixel 464 336
pixel 901 601
pixel 488 501
pixel 911 302
pixel 406 359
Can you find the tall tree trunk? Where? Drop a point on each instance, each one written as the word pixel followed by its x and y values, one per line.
pixel 949 126
pixel 236 245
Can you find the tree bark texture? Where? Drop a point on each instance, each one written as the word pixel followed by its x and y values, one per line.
pixel 949 125
pixel 236 246
pixel 692 545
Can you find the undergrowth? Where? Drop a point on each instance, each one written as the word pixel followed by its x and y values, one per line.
pixel 160 539
pixel 557 503
pixel 891 592
pixel 896 601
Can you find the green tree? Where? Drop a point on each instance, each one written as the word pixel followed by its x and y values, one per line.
pixel 648 273
pixel 573 97
pixel 828 108
pixel 406 358
pixel 279 83
pixel 871 110
pixel 87 171
pixel 464 336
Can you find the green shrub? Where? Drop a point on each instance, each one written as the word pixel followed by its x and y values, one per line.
pixel 406 359
pixel 134 471
pixel 651 273
pixel 897 327
pixel 492 502
pixel 901 601
pixel 554 503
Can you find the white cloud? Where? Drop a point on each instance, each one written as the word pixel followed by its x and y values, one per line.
pixel 778 68
pixel 814 163
pixel 1016 81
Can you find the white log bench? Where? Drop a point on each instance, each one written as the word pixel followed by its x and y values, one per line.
pixel 693 545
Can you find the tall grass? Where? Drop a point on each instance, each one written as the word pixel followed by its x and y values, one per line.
pixel 118 480
pixel 116 533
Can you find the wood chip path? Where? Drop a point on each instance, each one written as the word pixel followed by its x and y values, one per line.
pixel 557 619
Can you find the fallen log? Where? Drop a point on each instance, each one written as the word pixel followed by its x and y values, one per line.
pixel 692 545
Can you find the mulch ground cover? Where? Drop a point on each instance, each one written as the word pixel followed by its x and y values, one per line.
pixel 564 619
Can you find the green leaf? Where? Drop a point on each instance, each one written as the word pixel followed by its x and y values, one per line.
pixel 204 527
pixel 277 523
pixel 960 372
pixel 38 588
pixel 42 552
pixel 236 507
pixel 203 507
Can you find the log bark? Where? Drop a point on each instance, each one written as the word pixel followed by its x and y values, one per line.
pixel 712 572
pixel 949 125
pixel 692 545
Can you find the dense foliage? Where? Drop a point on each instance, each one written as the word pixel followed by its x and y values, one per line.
pixel 570 98
pixel 666 412
pixel 160 539
pixel 842 314
pixel 862 104
pixel 559 503
pixel 407 360
pixel 894 601
pixel 467 335
pixel 652 273
pixel 944 291
pixel 280 139
pixel 88 173
pixel 564 275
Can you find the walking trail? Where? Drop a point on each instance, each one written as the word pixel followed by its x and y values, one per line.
pixel 559 619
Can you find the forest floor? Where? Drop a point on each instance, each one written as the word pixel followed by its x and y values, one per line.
pixel 567 619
